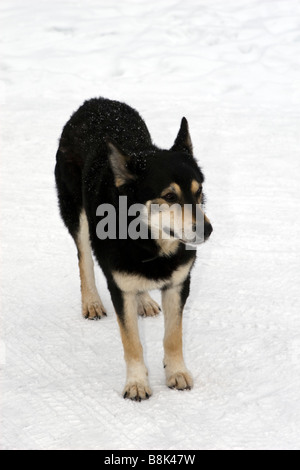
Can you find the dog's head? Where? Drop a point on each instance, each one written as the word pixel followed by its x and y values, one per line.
pixel 169 183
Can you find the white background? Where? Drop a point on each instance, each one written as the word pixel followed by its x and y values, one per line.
pixel 233 69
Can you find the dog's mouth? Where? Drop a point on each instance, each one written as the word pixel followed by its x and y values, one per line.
pixel 194 241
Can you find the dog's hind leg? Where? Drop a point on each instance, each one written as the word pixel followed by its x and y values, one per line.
pixel 68 182
pixel 147 307
pixel 92 307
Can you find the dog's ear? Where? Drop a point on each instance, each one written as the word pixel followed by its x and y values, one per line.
pixel 183 141
pixel 119 164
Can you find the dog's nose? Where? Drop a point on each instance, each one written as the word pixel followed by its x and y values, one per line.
pixel 207 230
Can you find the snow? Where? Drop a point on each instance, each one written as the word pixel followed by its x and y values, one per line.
pixel 233 69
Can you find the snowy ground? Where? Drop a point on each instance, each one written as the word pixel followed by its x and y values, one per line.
pixel 233 69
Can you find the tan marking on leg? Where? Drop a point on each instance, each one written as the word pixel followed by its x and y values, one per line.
pixel 177 375
pixel 137 386
pixel 147 307
pixel 92 306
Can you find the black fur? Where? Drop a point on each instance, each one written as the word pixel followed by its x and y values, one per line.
pixel 85 179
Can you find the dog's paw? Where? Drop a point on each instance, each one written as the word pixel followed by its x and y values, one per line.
pixel 147 307
pixel 137 391
pixel 93 310
pixel 181 380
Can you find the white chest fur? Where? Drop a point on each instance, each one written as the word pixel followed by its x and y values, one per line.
pixel 136 283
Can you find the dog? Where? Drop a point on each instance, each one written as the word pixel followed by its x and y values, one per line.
pixel 105 153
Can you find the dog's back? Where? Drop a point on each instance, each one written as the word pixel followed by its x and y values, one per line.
pixel 97 120
pixel 84 139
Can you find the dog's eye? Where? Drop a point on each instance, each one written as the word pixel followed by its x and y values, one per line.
pixel 170 197
pixel 198 193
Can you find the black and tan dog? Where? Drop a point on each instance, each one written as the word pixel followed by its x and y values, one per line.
pixel 105 152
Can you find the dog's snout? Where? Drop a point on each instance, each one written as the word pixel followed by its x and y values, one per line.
pixel 203 228
pixel 203 231
pixel 207 230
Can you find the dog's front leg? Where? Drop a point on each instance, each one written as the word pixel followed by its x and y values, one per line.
pixel 126 305
pixel 173 300
pixel 137 386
